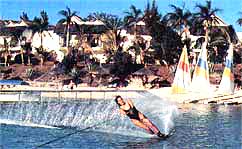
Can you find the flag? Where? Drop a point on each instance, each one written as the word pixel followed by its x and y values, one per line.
pixel 227 83
pixel 182 78
pixel 200 80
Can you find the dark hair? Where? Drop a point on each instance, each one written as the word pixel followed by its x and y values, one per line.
pixel 116 99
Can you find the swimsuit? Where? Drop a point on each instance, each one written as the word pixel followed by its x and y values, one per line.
pixel 132 113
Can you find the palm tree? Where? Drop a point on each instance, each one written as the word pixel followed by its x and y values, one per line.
pixel 164 40
pixel 152 18
pixel 178 18
pixel 25 18
pixel 239 21
pixel 206 16
pixel 67 15
pixel 6 51
pixel 39 25
pixel 133 16
pixel 112 22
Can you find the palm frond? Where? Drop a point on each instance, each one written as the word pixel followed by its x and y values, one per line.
pixel 173 6
pixel 74 13
pixel 208 4
pixel 44 16
pixel 63 13
pixel 215 10
pixel 187 14
pixel 127 13
pixel 239 21
pixel 24 16
pixel 68 10
pixel 61 21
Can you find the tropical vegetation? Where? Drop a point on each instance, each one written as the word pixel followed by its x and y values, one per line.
pixel 67 15
pixel 170 33
pixel 239 21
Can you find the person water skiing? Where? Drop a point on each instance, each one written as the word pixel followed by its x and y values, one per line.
pixel 136 117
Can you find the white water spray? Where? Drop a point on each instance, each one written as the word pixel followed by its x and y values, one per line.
pixel 168 119
pixel 161 112
pixel 82 114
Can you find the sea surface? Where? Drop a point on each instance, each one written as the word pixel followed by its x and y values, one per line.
pixel 97 124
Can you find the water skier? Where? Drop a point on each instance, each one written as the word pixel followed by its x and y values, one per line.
pixel 137 118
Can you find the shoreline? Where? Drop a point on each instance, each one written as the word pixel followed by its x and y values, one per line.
pixel 98 93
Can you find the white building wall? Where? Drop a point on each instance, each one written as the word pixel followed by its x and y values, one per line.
pixel 239 34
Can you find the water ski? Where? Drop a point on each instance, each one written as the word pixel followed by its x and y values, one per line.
pixel 165 136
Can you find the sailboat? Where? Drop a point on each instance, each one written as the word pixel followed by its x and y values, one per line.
pixel 200 81
pixel 226 85
pixel 182 78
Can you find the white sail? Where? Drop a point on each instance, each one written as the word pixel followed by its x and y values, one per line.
pixel 200 80
pixel 182 78
pixel 227 83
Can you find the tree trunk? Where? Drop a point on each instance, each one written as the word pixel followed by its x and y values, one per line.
pixel 115 39
pixel 206 35
pixel 41 60
pixel 67 36
pixel 6 51
pixel 180 26
pixel 22 55
pixel 41 40
pixel 135 30
pixel 5 58
pixel 41 48
pixel 163 51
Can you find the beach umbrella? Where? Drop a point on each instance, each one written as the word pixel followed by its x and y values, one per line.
pixel 227 83
pixel 200 80
pixel 182 78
